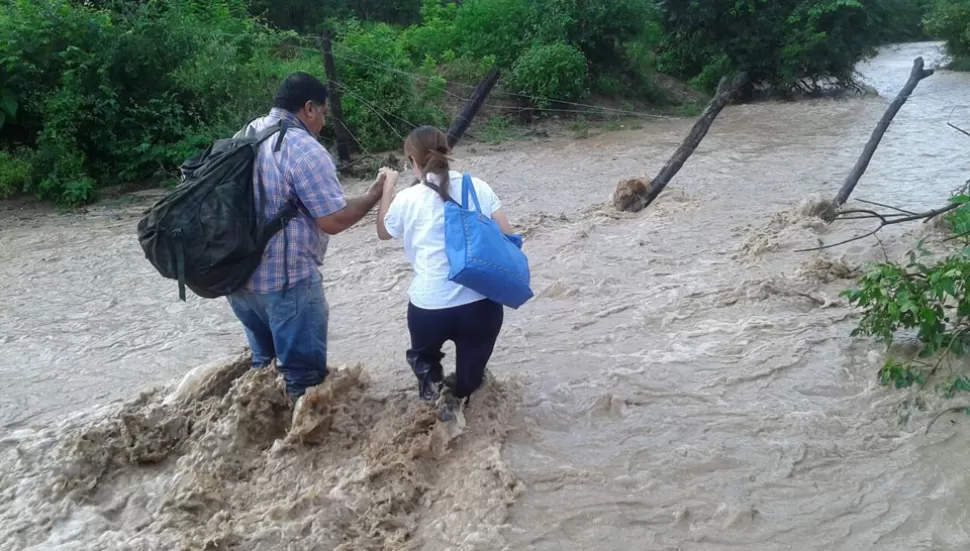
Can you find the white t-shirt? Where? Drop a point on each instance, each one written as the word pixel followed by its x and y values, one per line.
pixel 417 216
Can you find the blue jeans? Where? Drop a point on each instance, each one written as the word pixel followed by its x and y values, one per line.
pixel 291 327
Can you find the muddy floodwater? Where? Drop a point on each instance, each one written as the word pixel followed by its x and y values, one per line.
pixel 683 380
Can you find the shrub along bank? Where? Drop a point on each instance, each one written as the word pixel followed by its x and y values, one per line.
pixel 103 92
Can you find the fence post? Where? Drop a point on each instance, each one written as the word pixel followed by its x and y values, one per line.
pixel 470 109
pixel 343 134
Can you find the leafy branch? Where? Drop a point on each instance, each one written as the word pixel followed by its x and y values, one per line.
pixel 930 298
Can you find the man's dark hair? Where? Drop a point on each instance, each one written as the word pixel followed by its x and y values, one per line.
pixel 297 89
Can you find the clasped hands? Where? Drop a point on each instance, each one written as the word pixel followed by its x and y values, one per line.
pixel 384 183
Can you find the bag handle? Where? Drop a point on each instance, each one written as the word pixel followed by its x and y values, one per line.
pixel 468 188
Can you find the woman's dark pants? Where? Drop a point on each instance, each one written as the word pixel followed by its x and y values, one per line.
pixel 473 328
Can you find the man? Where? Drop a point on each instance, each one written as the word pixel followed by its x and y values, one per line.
pixel 283 308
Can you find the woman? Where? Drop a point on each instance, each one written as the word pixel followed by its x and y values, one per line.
pixel 439 310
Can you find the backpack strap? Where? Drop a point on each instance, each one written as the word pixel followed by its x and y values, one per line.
pixel 285 214
pixel 269 131
pixel 179 247
pixel 279 141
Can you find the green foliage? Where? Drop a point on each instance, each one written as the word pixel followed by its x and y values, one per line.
pixel 379 100
pixel 436 36
pixel 113 96
pixel 617 38
pixel 14 174
pixel 554 72
pixel 105 92
pixel 476 29
pixel 501 28
pixel 497 130
pixel 308 17
pixel 461 69
pixel 8 106
pixel 778 42
pixel 614 35
pixel 930 298
pixel 902 20
pixel 900 375
pixel 949 20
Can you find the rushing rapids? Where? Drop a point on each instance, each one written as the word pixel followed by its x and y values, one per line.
pixel 683 380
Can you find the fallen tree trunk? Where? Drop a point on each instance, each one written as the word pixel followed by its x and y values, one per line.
pixel 470 109
pixel 917 74
pixel 636 194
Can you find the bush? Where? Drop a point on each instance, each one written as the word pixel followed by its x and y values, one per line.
pixel 616 36
pixel 778 43
pixel 14 174
pixel 124 92
pixel 381 102
pixel 602 29
pixel 501 28
pixel 902 20
pixel 949 20
pixel 116 96
pixel 553 72
pixel 310 16
pixel 929 297
pixel 435 37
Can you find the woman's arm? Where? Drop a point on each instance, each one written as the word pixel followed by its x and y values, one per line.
pixel 390 180
pixel 502 221
pixel 491 202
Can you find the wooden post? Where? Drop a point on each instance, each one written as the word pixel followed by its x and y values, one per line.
pixel 635 195
pixel 343 134
pixel 915 76
pixel 470 109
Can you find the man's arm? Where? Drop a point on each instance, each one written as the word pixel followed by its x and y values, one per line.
pixel 357 208
pixel 315 179
pixel 390 179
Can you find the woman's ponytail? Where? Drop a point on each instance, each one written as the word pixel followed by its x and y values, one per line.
pixel 427 147
pixel 437 165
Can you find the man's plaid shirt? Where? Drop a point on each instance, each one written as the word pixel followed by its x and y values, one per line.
pixel 304 173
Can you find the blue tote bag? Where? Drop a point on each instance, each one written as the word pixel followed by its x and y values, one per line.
pixel 483 258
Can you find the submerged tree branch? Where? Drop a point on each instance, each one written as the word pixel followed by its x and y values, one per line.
pixel 957 128
pixel 885 220
pixel 944 412
pixel 890 207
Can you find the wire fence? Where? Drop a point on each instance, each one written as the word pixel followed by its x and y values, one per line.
pixel 529 103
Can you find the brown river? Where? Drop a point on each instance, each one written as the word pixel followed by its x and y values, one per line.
pixel 684 379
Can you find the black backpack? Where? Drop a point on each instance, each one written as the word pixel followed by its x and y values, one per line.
pixel 208 233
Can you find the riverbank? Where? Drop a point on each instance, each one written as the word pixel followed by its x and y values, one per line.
pixel 683 379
